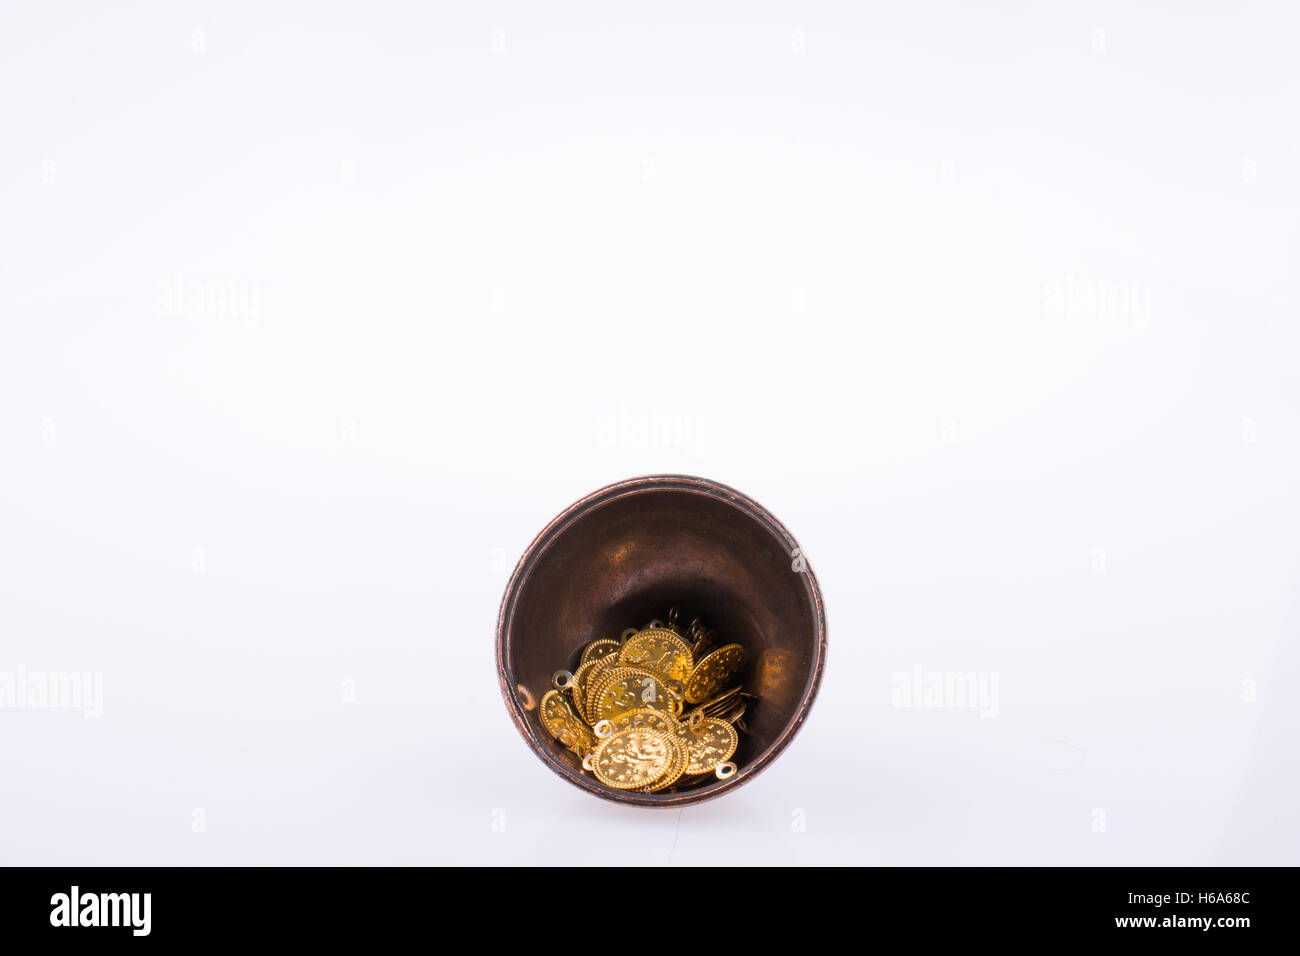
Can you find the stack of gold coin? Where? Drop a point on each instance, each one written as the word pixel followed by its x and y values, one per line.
pixel 653 709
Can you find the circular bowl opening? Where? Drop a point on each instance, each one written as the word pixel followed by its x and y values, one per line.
pixel 622 556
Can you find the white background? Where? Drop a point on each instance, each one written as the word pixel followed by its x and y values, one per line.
pixel 314 315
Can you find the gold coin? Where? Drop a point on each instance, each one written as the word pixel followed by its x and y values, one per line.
pixel 622 689
pixel 598 649
pixel 711 743
pixel 551 712
pixel 634 759
pixel 563 724
pixel 712 673
pixel 599 668
pixel 659 650
pixel 648 717
pixel 581 684
pixel 681 761
pixel 621 708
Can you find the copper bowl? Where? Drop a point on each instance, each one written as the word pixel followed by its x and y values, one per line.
pixel 622 556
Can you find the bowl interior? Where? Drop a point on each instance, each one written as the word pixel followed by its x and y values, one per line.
pixel 621 558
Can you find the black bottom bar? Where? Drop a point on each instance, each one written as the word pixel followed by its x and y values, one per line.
pixel 335 906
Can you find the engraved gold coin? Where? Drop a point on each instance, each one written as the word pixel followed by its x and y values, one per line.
pixel 552 712
pixel 621 708
pixel 647 717
pixel 598 649
pixel 681 760
pixel 599 668
pixel 622 689
pixel 581 684
pixel 713 673
pixel 634 759
pixel 710 745
pixel 563 724
pixel 660 650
